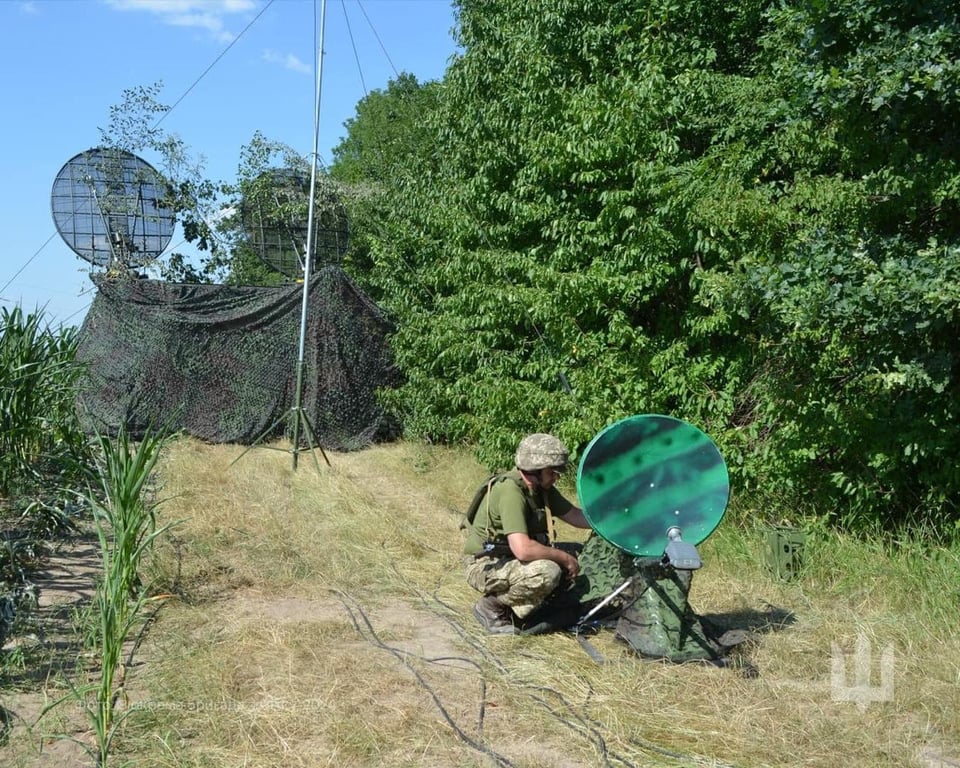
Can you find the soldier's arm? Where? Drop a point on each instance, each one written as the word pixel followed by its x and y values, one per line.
pixel 526 550
pixel 575 518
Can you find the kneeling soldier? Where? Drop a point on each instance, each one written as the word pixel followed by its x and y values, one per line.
pixel 513 564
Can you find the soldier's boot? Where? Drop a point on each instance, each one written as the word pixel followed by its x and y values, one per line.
pixel 494 616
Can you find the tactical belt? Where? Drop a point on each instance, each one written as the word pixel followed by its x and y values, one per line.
pixel 502 548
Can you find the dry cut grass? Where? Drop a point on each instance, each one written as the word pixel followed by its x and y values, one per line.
pixel 321 619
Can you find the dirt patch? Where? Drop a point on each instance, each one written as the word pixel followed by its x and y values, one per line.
pixel 253 605
pixel 49 652
pixel 68 578
pixel 409 629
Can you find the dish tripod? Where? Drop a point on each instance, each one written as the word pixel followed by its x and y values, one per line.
pixel 658 621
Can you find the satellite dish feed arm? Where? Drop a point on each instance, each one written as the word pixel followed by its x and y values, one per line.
pixel 680 554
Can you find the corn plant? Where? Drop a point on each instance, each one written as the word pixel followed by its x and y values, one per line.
pixel 125 521
pixel 38 379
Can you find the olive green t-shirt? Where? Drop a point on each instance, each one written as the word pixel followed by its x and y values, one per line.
pixel 511 507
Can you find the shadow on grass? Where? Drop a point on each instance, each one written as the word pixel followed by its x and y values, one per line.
pixel 755 622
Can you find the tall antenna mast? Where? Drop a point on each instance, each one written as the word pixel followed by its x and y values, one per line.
pixel 298 404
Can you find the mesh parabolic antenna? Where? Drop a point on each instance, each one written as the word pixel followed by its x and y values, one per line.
pixel 275 215
pixel 109 207
pixel 645 474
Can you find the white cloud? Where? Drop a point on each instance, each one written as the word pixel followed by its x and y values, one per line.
pixel 287 60
pixel 210 15
pixel 29 7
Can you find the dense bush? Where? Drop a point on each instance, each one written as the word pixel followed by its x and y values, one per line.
pixel 745 216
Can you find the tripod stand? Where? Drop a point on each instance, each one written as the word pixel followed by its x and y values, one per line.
pixel 296 413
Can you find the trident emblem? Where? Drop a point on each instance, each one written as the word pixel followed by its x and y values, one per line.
pixel 861 692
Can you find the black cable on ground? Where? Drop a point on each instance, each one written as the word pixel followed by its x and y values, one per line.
pixel 369 633
pixel 587 727
pixel 584 728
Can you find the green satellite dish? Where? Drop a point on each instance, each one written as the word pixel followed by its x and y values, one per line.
pixel 645 475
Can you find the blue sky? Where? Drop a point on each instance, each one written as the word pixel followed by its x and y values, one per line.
pixel 64 63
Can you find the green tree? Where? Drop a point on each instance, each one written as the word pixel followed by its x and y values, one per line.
pixel 389 128
pixel 374 164
pixel 267 216
pixel 539 253
pixel 855 309
pixel 745 217
pixel 210 213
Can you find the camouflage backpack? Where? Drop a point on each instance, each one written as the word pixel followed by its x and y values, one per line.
pixel 652 614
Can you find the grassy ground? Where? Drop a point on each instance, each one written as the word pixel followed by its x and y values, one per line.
pixel 320 618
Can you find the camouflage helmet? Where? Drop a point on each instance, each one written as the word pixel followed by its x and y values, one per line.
pixel 540 451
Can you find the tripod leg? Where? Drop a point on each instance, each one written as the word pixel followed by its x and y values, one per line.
pixel 311 440
pixel 296 414
pixel 263 434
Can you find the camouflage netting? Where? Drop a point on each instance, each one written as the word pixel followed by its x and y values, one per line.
pixel 219 362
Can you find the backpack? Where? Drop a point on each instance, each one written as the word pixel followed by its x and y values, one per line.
pixel 481 493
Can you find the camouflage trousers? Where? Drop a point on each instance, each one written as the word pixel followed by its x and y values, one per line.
pixel 522 586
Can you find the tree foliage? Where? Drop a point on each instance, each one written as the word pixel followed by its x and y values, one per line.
pixel 384 140
pixel 134 126
pixel 210 212
pixel 742 215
